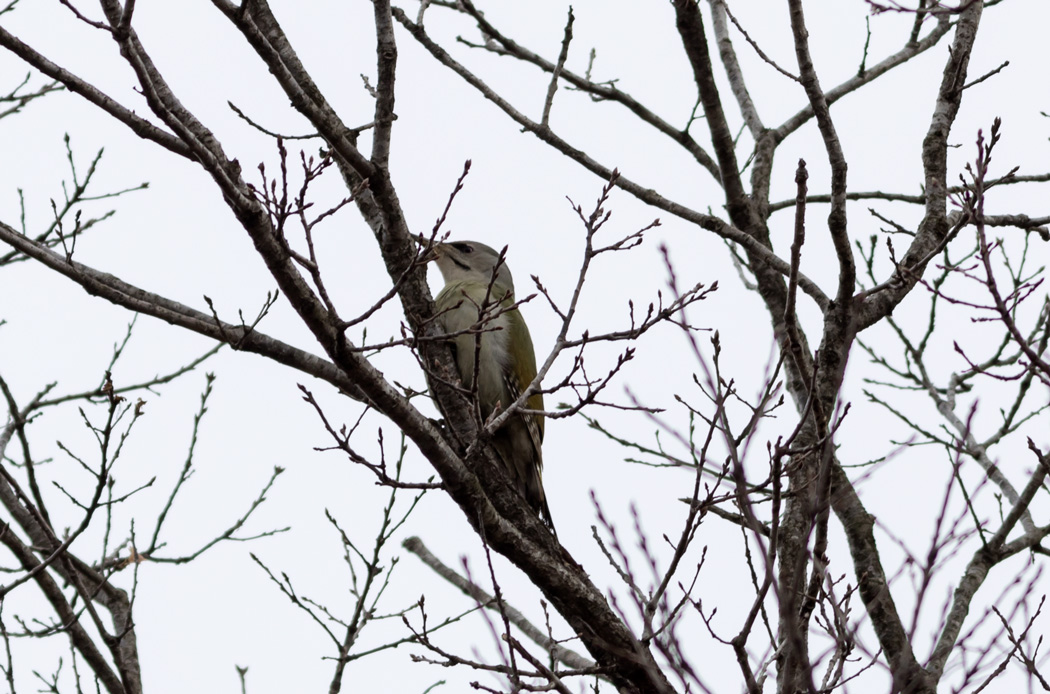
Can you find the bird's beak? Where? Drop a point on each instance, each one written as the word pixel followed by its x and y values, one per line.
pixel 435 248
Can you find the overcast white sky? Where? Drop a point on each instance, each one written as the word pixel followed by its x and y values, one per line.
pixel 178 239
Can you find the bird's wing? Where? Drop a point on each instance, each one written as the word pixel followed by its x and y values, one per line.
pixel 520 373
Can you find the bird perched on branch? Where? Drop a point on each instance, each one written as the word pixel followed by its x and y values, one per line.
pixel 478 302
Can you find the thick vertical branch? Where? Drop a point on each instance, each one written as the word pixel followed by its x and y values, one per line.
pixel 736 76
pixel 794 671
pixel 857 523
pixel 870 308
pixel 797 521
pixel 810 478
pixel 837 216
pixel 743 209
pixel 872 583
pixel 934 228
pixel 386 67
pixel 690 25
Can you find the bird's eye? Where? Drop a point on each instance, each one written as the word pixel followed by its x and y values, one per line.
pixel 463 247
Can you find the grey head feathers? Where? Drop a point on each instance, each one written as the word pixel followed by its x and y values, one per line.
pixel 470 261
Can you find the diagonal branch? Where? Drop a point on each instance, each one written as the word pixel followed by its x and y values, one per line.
pixel 910 50
pixel 990 554
pixel 607 91
pixel 140 126
pixel 121 293
pixel 647 195
pixel 468 587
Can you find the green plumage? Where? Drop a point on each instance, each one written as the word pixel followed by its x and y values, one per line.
pixel 471 301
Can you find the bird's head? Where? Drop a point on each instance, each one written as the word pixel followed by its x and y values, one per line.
pixel 471 261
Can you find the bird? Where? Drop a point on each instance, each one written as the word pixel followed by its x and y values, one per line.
pixel 479 288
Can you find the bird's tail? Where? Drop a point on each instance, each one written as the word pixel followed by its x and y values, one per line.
pixel 524 464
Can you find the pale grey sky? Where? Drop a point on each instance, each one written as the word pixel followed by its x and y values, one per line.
pixel 178 239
